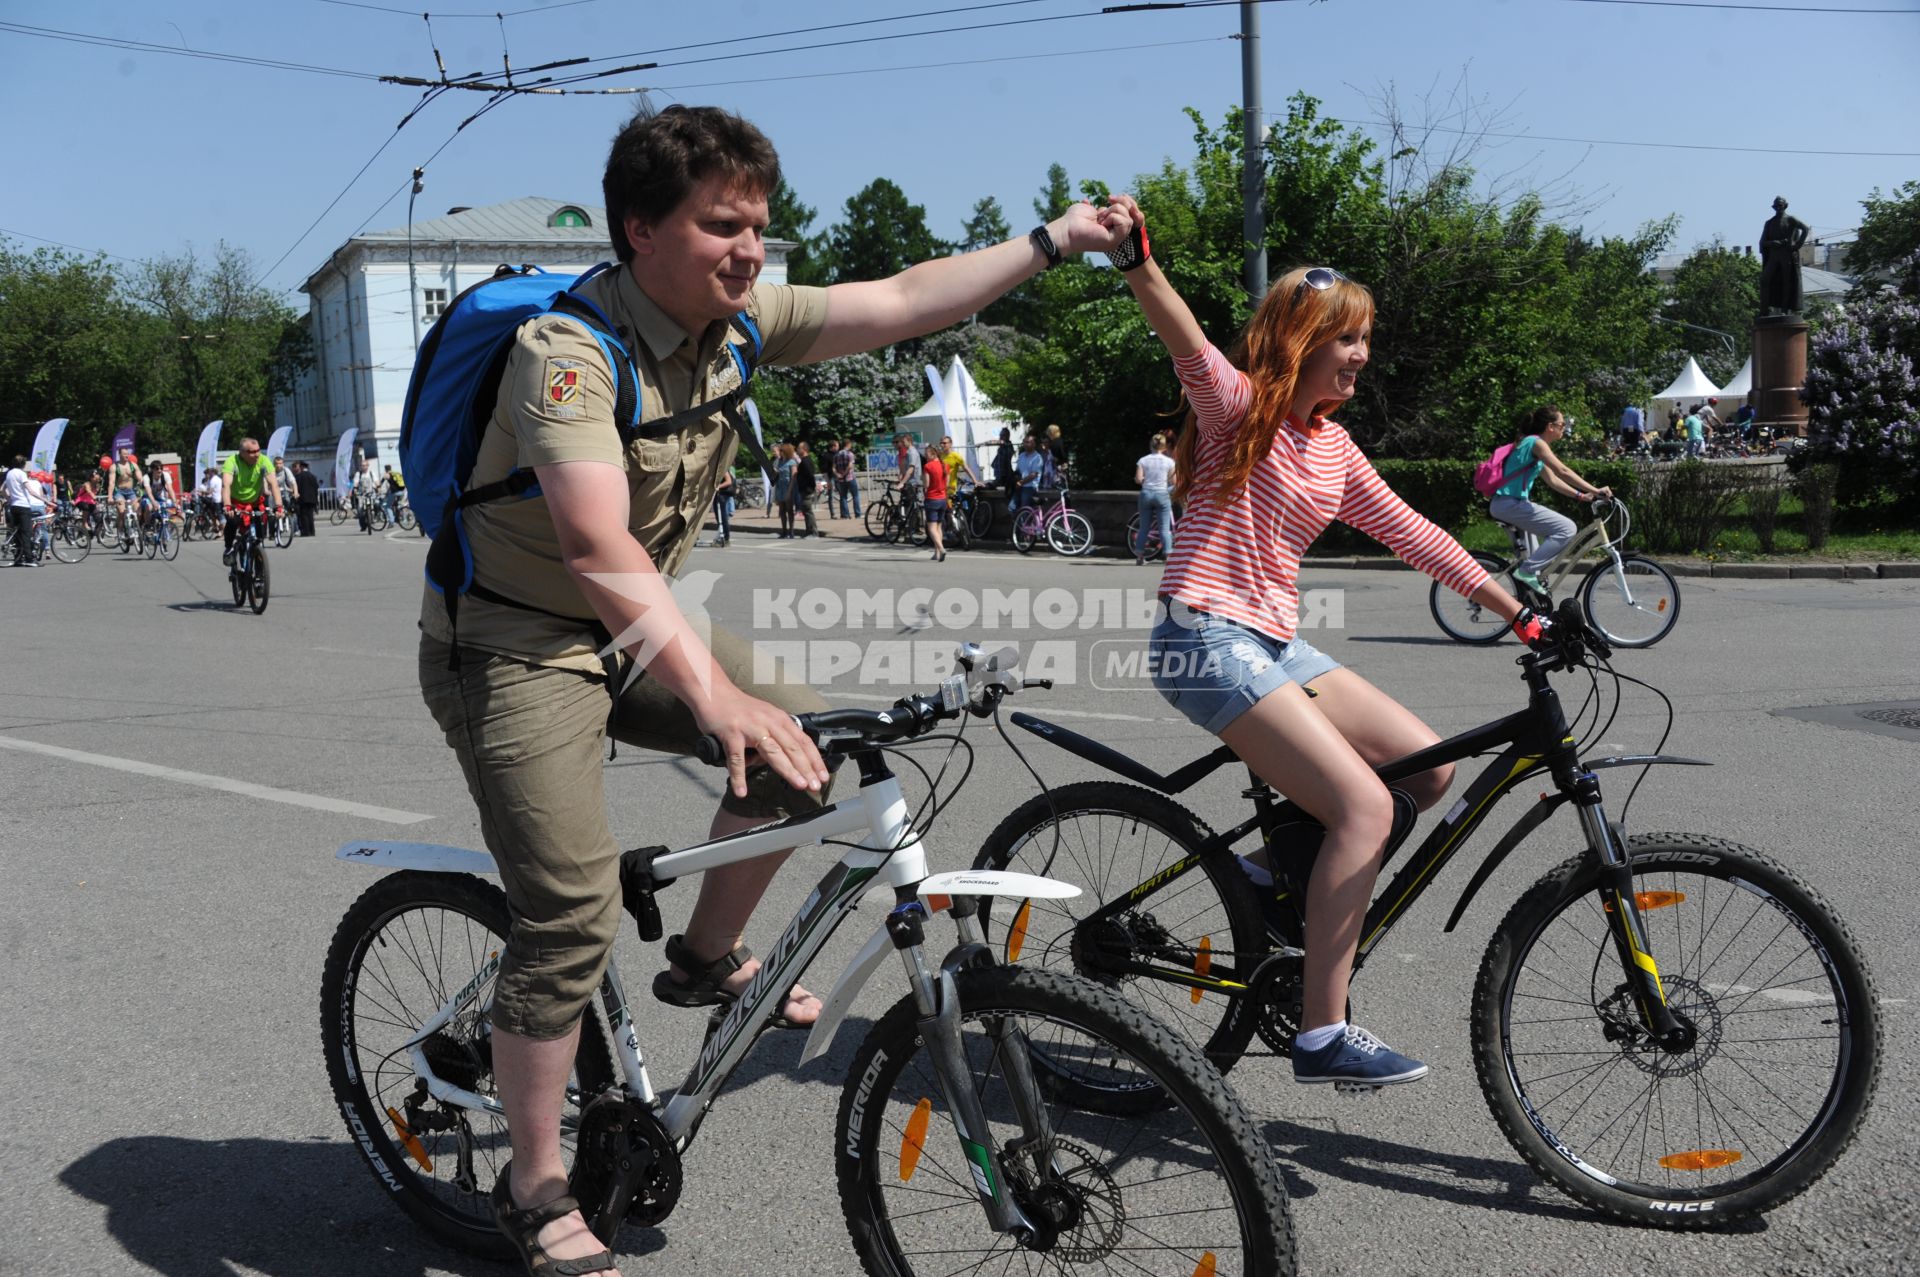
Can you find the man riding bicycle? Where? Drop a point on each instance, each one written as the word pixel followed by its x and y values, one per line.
pixel 126 480
pixel 242 478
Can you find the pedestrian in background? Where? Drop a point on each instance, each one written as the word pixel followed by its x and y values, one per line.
pixel 845 486
pixel 806 483
pixel 786 464
pixel 1028 471
pixel 307 490
pixel 1154 474
pixel 723 509
pixel 1003 462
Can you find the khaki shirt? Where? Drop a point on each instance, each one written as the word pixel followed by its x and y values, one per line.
pixel 556 403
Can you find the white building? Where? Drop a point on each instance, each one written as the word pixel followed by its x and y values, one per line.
pixel 362 313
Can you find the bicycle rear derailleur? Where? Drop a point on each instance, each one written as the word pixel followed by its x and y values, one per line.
pixel 625 1167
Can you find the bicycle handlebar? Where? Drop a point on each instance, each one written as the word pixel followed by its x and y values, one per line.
pixel 983 682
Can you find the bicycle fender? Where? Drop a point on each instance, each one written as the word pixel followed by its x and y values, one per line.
pixel 845 990
pixel 429 856
pixel 1643 760
pixel 996 882
pixel 1532 820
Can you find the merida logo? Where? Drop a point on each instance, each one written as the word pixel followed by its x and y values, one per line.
pixel 366 1146
pixel 858 1115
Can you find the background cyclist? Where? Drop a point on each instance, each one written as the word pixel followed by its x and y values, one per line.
pixel 1532 457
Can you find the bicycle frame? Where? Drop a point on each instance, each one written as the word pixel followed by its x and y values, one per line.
pixel 1531 741
pixel 1571 553
pixel 890 855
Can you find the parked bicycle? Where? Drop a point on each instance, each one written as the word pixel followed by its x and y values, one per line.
pixel 1671 1028
pixel 1155 547
pixel 1017 1062
pixel 39 532
pixel 248 577
pixel 1056 523
pixel 1629 599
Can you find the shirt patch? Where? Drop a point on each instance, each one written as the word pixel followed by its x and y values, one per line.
pixel 563 380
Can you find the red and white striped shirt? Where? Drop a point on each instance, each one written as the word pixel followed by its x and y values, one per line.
pixel 1241 559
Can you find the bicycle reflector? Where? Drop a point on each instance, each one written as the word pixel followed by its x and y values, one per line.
pixel 410 1142
pixel 1202 963
pixel 1205 1267
pixel 1017 933
pixel 1701 1159
pixel 1645 900
pixel 915 1138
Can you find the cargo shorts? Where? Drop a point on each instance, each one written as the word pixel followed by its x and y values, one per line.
pixel 531 740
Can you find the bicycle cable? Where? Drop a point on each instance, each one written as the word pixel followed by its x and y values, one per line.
pixel 1658 745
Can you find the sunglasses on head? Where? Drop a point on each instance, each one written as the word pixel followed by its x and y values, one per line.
pixel 1319 279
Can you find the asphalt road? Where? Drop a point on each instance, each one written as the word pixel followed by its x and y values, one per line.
pixel 166 1108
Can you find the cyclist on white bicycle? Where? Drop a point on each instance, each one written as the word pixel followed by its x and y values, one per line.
pixel 1531 458
pixel 127 481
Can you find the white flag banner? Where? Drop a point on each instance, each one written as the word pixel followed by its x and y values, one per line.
pixel 277 446
pixel 753 418
pixel 343 461
pixel 208 448
pixel 46 445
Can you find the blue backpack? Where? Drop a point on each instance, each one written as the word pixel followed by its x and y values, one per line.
pixel 450 399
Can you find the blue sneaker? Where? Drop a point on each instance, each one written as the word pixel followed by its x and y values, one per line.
pixel 1355 1060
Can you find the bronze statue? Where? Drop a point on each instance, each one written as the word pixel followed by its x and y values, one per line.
pixel 1780 241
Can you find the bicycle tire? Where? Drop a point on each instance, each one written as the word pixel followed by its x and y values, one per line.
pixel 237 580
pixel 1692 868
pixel 1026 529
pixel 876 519
pixel 283 531
pixel 377 518
pixel 980 516
pixel 959 529
pixel 408 520
pixel 170 539
pixel 339 515
pixel 69 547
pixel 362 1070
pixel 150 542
pixel 1155 546
pixel 257 587
pixel 1071 534
pixel 1463 620
pixel 1219 1180
pixel 896 524
pixel 1105 823
pixel 1655 608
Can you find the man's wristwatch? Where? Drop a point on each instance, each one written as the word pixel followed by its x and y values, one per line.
pixel 1043 240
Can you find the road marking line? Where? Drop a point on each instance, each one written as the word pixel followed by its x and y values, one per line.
pixel 292 798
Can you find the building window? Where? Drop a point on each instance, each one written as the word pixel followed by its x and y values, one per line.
pixel 435 302
pixel 569 216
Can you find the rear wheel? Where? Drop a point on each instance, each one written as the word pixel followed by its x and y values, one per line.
pixel 980 515
pixel 959 529
pixel 1190 1188
pixel 876 519
pixel 1462 618
pixel 407 945
pixel 1107 838
pixel 1632 605
pixel 1071 534
pixel 1773 1083
pixel 71 542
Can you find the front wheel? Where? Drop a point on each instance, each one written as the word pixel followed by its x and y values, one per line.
pixel 169 539
pixel 1632 605
pixel 408 521
pixel 1071 534
pixel 1783 1049
pixel 70 545
pixel 339 516
pixel 257 588
pixel 408 944
pixel 1192 1187
pixel 876 519
pixel 980 515
pixel 377 518
pixel 1461 618
pixel 237 579
pixel 1027 528
pixel 959 528
pixel 283 531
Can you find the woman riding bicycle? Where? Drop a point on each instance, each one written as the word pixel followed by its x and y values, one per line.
pixel 1533 456
pixel 1261 472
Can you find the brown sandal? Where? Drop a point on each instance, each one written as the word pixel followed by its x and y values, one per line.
pixel 521 1227
pixel 702 988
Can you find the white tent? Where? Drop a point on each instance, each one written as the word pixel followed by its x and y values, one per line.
pixel 1742 384
pixel 960 410
pixel 1690 384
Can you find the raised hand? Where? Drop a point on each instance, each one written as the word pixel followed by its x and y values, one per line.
pixel 1085 229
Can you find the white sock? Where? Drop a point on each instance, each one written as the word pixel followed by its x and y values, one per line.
pixel 1258 873
pixel 1314 1039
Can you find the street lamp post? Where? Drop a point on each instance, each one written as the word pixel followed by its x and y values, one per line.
pixel 413 288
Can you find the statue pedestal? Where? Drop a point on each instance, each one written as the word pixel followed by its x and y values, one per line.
pixel 1779 372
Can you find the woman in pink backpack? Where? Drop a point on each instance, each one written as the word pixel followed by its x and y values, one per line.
pixel 1532 455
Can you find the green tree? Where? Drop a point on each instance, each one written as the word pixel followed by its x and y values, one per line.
pixel 1889 231
pixel 881 233
pixel 1056 196
pixel 985 227
pixel 789 219
pixel 1719 288
pixel 71 345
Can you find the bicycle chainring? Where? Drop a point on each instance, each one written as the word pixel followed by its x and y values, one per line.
pixel 625 1167
pixel 1275 994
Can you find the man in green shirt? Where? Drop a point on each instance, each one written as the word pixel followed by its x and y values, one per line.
pixel 243 479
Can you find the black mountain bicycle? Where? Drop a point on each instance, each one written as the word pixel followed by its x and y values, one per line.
pixel 1671 1028
pixel 248 576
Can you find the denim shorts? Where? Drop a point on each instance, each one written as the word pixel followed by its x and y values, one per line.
pixel 1213 670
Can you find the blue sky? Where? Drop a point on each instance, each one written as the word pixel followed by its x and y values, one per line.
pixel 137 152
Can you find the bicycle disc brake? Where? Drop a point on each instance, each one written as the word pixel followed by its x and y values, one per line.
pixel 624 1165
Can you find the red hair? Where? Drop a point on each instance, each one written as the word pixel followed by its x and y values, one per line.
pixel 1291 323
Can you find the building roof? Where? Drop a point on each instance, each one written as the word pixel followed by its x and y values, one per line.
pixel 527 220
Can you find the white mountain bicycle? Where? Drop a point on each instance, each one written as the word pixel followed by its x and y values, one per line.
pixel 1086 1133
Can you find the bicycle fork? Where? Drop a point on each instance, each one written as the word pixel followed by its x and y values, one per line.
pixel 1670 1031
pixel 938 999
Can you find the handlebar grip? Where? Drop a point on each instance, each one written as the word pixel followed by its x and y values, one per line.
pixel 710 751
